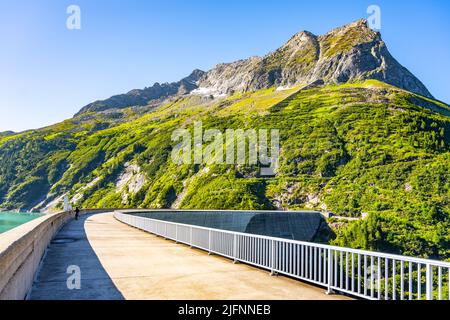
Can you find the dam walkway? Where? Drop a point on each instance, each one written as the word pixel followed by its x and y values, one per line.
pixel 115 261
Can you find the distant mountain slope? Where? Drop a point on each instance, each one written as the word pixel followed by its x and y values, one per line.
pixel 147 95
pixel 6 133
pixel 351 149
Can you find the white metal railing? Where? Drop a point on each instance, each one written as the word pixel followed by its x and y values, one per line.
pixel 365 274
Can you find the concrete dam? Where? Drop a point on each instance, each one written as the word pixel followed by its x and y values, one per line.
pixel 293 225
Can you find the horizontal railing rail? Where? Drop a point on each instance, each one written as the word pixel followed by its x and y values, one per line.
pixel 364 274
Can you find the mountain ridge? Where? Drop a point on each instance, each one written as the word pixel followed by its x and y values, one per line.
pixel 142 97
pixel 349 53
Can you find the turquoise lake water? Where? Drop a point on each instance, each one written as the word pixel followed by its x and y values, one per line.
pixel 10 220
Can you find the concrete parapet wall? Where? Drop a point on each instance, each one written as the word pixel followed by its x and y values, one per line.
pixel 22 249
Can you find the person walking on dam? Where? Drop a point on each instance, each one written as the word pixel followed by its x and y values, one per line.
pixel 77 213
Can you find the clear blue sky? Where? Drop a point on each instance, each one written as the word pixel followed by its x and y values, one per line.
pixel 47 72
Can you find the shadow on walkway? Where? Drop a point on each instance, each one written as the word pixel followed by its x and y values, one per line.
pixel 72 248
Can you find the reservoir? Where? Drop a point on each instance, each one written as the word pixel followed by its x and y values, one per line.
pixel 10 220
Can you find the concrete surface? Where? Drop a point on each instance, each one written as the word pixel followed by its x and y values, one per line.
pixel 120 262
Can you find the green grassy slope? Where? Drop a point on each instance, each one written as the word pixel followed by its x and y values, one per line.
pixel 354 149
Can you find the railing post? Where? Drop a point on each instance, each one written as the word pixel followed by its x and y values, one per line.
pixel 235 249
pixel 176 233
pixel 209 242
pixel 190 237
pixel 429 282
pixel 330 271
pixel 273 262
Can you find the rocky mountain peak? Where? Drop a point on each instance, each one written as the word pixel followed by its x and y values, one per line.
pixel 361 25
pixel 350 53
pixel 195 76
pixel 300 39
pixel 359 28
